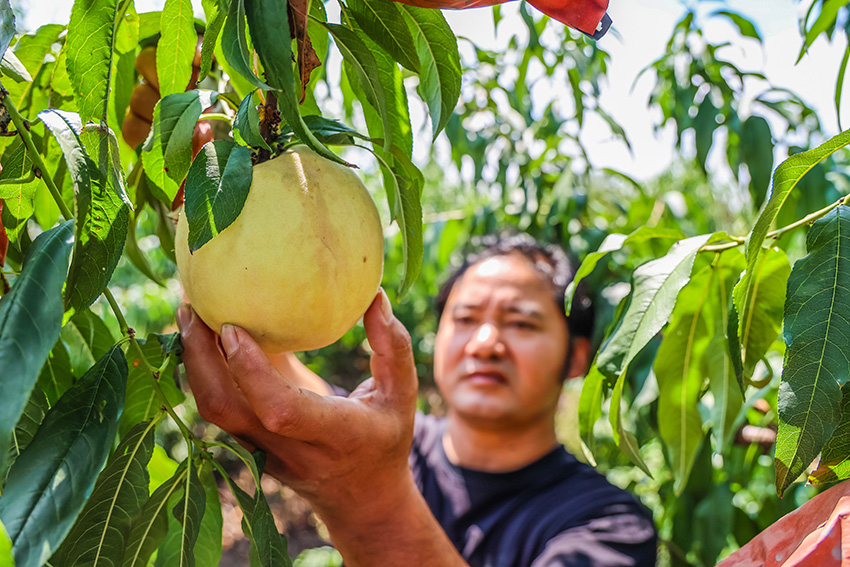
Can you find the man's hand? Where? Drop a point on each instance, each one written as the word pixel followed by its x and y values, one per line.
pixel 327 448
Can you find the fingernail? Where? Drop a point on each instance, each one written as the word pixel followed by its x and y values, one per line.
pixel 386 308
pixel 229 339
pixel 184 316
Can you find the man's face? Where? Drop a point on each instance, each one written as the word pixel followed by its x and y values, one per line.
pixel 501 345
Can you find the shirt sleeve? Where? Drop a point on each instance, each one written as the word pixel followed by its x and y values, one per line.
pixel 620 540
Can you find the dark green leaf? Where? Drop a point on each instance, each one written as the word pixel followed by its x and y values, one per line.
pixel 246 125
pixel 816 332
pixel 385 24
pixel 91 39
pixel 30 322
pixel 142 401
pixel 7 26
pixel 655 286
pixel 361 59
pixel 137 256
pixel 439 62
pixel 167 152
pixel 56 375
pixel 150 526
pixel 834 462
pixel 184 524
pixel 176 47
pixel 125 82
pixel 216 188
pixel 88 339
pixel 329 131
pixel 756 148
pixel 590 406
pixel 785 178
pixel 31 418
pixel 99 536
pixel 267 19
pixel 54 476
pixel 760 319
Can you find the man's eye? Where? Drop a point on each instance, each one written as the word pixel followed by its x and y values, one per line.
pixel 464 319
pixel 523 325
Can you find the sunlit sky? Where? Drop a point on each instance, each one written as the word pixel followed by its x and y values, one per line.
pixel 642 29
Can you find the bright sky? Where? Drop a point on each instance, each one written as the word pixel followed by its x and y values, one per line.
pixel 644 27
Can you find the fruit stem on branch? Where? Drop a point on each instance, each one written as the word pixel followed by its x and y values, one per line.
pixel 268 125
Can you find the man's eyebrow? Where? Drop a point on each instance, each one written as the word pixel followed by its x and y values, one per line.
pixel 526 310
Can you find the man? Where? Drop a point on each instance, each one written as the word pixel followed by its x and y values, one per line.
pixel 489 485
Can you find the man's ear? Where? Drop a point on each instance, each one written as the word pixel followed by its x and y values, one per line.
pixel 579 357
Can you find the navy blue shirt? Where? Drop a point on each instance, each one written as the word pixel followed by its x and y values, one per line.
pixel 555 512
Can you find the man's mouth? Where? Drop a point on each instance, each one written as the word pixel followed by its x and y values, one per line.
pixel 485 377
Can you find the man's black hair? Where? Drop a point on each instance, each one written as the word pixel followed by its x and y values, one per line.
pixel 549 261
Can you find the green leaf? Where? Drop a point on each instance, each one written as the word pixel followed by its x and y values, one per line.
pixel 12 67
pixel 7 26
pixel 825 20
pixel 135 254
pixel 361 59
pixel 53 477
pixel 142 401
pixel 150 526
pixel 745 27
pixel 17 164
pixel 99 536
pixel 267 19
pixel 103 208
pixel 6 557
pixel 91 40
pixel 176 47
pixel 395 97
pixel 178 547
pixel 385 24
pixel 216 189
pixel 439 63
pixel 125 82
pixel 208 547
pixel 613 243
pixel 834 462
pixel 590 406
pixel 655 286
pixel 679 376
pixel 88 339
pixel 760 319
pixel 56 376
pixel 785 178
pixel 31 418
pixel 30 322
pixel 717 362
pixel 127 34
pixel 705 123
pixel 234 44
pixel 167 152
pixel 215 20
pixel 816 332
pixel 407 182
pixel 246 125
pixel 756 149
pixel 624 439
pixel 31 50
pixel 160 468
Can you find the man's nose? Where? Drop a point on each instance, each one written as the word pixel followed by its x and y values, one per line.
pixel 486 342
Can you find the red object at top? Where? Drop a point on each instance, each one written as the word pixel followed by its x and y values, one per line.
pixel 587 16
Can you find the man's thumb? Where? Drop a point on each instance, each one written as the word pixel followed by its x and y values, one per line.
pixel 392 354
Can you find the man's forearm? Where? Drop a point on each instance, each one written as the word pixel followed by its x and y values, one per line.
pixel 397 530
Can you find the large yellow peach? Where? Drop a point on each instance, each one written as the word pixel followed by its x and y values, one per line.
pixel 299 265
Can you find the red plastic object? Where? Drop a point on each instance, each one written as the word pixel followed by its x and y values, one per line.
pixel 583 15
pixel 817 534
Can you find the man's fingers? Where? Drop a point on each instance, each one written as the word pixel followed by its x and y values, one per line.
pixel 219 400
pixel 392 362
pixel 281 407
